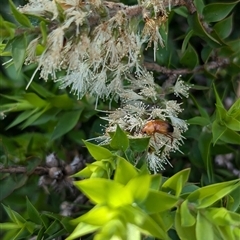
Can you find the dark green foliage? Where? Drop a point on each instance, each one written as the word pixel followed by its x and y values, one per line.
pixel 199 196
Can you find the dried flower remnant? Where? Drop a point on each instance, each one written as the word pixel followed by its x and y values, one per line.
pixel 97 56
pixel 59 173
pixel 152 24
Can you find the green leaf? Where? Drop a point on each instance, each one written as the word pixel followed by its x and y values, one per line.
pixel 97 152
pixel 52 216
pixel 22 234
pixel 107 191
pixel 119 140
pixel 67 121
pixel 182 11
pixel 230 136
pixel 21 18
pixel 57 234
pixel 98 216
pixel 34 117
pixel 202 121
pixel 204 228
pixel 99 169
pixel 22 117
pixel 196 25
pixel 35 100
pixel 157 201
pixel 223 217
pixel 54 227
pixel 225 134
pixel 125 171
pixel 217 131
pixel 189 188
pixel 185 233
pixel 186 41
pixel 139 144
pixel 217 11
pixel 234 111
pixel 199 6
pixel 202 110
pixel 164 219
pixel 206 196
pixel 235 196
pixel 187 219
pixel 232 123
pixel 29 226
pixel 205 144
pixel 190 57
pixel 41 91
pixel 8 226
pixel 144 222
pixel 206 53
pixel 156 181
pixel 14 216
pixel 175 183
pixel 61 101
pixel 224 28
pixel 33 213
pixel 7 30
pixel 43 28
pixel 81 230
pixel 47 116
pixel 85 173
pixel 9 184
pixel 19 46
pixel 221 114
pixel 139 193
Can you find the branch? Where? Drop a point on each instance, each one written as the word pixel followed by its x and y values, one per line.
pixel 18 169
pixel 211 65
pixel 136 10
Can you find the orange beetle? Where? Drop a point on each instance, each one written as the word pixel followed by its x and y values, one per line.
pixel 158 126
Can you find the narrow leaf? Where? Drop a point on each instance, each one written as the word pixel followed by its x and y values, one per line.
pixel 120 140
pixel 21 18
pixel 176 182
pixel 67 121
pixel 204 228
pixel 97 152
pixel 125 171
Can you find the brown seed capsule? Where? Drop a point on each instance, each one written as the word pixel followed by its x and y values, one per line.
pixel 158 126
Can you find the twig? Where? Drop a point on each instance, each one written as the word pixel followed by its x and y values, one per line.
pixel 136 10
pixel 211 65
pixel 20 169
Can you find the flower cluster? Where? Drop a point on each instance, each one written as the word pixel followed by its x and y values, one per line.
pixel 99 58
pixel 100 47
pixel 134 115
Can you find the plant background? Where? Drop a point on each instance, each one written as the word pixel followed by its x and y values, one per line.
pixel 29 142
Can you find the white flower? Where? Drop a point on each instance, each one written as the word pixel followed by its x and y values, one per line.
pixel 173 108
pixel 181 88
pixel 77 16
pixel 31 51
pixel 51 58
pixel 98 85
pixel 157 112
pixel 40 7
pixel 78 80
pixel 179 123
pixel 156 162
pixel 149 92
